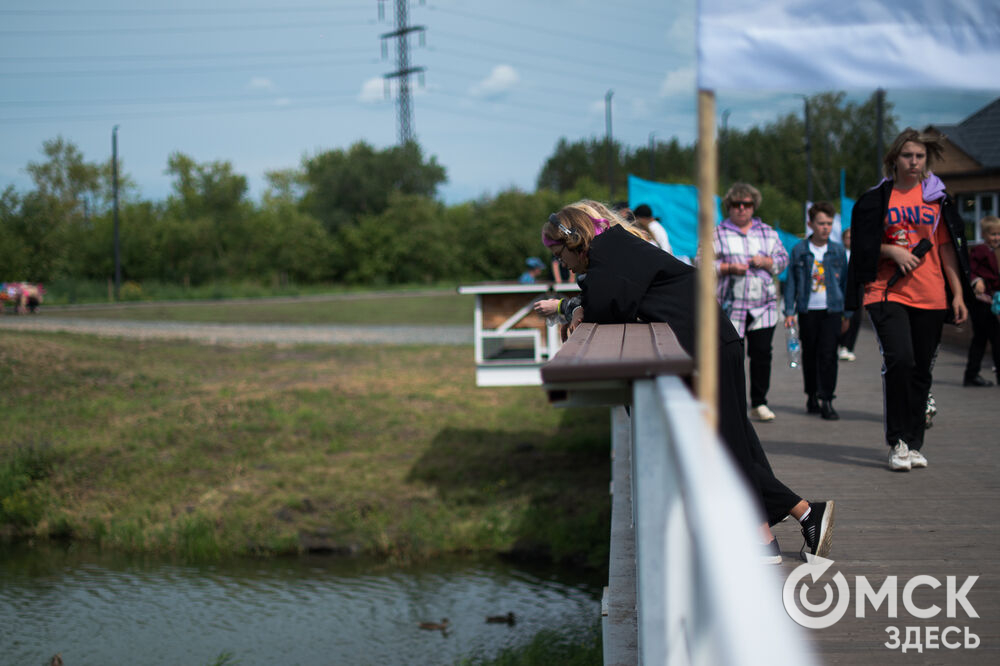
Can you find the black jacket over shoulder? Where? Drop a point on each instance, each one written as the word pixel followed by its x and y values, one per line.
pixel 867 227
pixel 630 280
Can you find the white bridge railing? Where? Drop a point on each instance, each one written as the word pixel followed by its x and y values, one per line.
pixel 702 594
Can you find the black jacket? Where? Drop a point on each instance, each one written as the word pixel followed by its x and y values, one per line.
pixel 867 228
pixel 630 280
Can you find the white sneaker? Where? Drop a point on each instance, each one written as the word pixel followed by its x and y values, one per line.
pixel 762 413
pixel 917 459
pixel 845 354
pixel 899 457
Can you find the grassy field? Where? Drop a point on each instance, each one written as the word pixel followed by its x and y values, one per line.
pixel 205 451
pixel 444 306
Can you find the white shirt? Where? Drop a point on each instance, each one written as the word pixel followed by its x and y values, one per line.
pixel 659 235
pixel 817 288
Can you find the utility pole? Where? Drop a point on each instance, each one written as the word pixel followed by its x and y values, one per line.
pixel 724 169
pixel 404 108
pixel 809 173
pixel 608 138
pixel 114 195
pixel 652 155
pixel 879 108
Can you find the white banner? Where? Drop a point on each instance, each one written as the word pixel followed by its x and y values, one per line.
pixel 805 45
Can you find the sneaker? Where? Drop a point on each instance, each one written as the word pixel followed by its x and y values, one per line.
pixel 930 411
pixel 818 529
pixel 762 413
pixel 845 354
pixel 917 459
pixel 899 457
pixel 771 553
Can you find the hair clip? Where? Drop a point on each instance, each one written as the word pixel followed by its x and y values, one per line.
pixel 554 219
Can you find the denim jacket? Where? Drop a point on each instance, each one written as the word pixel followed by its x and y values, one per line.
pixel 799 283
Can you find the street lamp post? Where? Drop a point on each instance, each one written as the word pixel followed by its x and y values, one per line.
pixel 809 175
pixel 652 155
pixel 114 194
pixel 607 132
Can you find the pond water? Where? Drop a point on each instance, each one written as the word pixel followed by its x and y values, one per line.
pixel 102 609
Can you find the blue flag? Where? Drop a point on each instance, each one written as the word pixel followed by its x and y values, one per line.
pixel 676 207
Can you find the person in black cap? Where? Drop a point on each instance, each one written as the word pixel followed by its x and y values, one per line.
pixel 644 219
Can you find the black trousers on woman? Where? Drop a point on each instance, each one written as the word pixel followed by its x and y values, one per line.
pixel 739 436
pixel 909 338
pixel 759 348
pixel 985 328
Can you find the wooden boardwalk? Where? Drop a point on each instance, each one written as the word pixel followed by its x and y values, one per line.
pixel 940 521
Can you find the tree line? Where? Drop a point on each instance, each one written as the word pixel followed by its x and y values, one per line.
pixel 366 216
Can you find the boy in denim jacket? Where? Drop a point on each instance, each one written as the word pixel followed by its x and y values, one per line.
pixel 814 294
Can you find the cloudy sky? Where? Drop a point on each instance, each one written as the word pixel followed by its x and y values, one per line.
pixel 262 84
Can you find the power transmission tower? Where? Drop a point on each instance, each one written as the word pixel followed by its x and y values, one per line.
pixel 404 109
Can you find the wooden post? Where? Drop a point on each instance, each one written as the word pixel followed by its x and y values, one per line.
pixel 707 343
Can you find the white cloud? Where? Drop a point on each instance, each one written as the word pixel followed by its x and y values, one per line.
pixel 260 83
pixel 678 82
pixel 500 81
pixel 372 91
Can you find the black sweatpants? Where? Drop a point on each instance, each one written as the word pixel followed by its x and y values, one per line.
pixel 909 338
pixel 739 436
pixel 818 331
pixel 985 328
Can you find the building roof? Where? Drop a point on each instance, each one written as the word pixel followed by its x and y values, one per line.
pixel 978 136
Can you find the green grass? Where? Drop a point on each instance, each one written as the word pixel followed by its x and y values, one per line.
pixel 207 451
pixel 445 307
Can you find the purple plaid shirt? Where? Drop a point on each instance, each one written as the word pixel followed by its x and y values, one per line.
pixel 755 293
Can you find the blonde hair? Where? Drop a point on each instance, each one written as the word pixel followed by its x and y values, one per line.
pixel 573 225
pixel 932 143
pixel 990 223
pixel 741 191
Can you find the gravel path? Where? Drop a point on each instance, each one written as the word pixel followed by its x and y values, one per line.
pixel 248 333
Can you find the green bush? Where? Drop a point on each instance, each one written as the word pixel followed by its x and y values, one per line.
pixel 20 469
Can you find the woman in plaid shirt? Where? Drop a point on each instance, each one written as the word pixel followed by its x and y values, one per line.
pixel 748 257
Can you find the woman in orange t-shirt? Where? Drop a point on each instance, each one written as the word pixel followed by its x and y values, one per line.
pixel 910 266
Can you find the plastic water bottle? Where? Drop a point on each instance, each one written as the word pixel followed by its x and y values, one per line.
pixel 794 346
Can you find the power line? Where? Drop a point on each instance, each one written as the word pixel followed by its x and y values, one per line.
pixel 174 100
pixel 174 70
pixel 177 56
pixel 174 113
pixel 177 11
pixel 535 28
pixel 228 27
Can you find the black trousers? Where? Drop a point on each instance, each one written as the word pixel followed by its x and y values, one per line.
pixel 909 338
pixel 985 328
pixel 741 439
pixel 818 332
pixel 758 345
pixel 850 336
